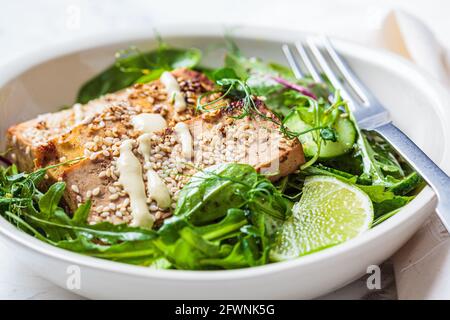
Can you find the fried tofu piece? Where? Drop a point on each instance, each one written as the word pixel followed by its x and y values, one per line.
pixel 30 143
pixel 217 137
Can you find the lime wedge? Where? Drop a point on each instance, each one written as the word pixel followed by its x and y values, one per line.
pixel 329 212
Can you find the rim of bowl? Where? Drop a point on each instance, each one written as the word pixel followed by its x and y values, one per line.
pixel 378 57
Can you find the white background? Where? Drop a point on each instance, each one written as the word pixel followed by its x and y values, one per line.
pixel 30 25
pixel 27 26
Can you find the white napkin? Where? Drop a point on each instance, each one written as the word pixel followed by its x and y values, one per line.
pixel 411 38
pixel 422 266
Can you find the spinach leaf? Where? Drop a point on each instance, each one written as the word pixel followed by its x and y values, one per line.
pixel 224 73
pixel 210 193
pixel 248 247
pixel 133 66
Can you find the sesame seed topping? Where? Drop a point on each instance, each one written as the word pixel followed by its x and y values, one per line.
pixel 96 191
pixel 114 196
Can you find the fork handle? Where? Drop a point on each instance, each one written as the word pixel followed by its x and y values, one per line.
pixel 430 172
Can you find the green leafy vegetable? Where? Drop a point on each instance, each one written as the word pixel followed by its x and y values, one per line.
pixel 223 219
pixel 385 199
pixel 50 201
pixel 236 234
pixel 262 78
pixel 39 214
pixel 227 186
pixel 220 187
pixel 133 66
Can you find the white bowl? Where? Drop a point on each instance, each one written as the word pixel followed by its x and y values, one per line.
pixel 50 78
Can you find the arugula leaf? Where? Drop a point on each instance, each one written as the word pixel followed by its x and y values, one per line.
pixel 185 247
pixel 385 156
pixel 320 169
pixel 235 259
pixel 39 214
pixel 50 200
pixel 234 220
pixel 384 201
pixel 407 185
pixel 80 216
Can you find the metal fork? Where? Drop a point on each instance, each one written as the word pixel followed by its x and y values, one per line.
pixel 318 54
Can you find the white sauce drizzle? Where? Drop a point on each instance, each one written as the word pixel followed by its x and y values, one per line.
pixel 78 113
pixel 130 171
pixel 148 122
pixel 173 91
pixel 184 136
pixel 157 189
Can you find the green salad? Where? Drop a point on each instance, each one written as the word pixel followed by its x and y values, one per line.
pixel 230 215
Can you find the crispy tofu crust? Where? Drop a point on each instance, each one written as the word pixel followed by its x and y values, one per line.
pixel 28 141
pixel 218 137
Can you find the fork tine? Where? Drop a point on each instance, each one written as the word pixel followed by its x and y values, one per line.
pixel 330 73
pixel 347 73
pixel 292 62
pixel 307 62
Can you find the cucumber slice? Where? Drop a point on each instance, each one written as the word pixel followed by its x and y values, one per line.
pixel 346 137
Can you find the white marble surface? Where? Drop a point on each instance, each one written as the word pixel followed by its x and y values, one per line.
pixel 27 26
